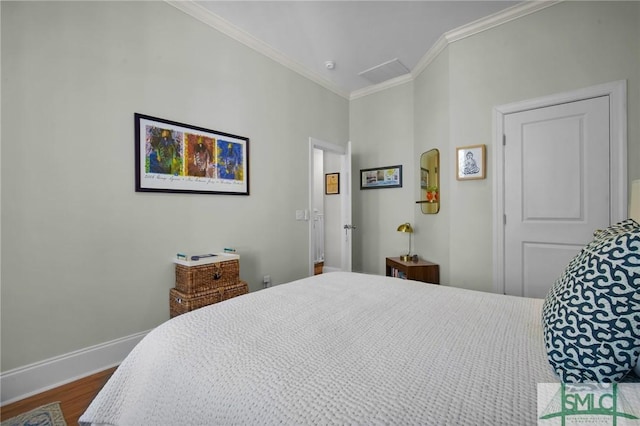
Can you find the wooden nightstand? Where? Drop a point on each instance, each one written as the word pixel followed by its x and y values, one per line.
pixel 421 270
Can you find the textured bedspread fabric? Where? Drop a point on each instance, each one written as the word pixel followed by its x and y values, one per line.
pixel 337 348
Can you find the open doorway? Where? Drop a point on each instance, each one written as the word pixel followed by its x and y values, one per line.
pixel 330 214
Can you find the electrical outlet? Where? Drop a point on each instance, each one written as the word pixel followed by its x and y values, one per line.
pixel 266 281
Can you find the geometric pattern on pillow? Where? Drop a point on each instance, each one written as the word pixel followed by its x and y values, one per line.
pixel 591 315
pixel 628 225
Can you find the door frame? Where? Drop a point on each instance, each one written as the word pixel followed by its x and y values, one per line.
pixel 345 196
pixel 617 92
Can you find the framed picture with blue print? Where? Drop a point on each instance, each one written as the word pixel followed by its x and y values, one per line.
pixel 381 177
pixel 177 157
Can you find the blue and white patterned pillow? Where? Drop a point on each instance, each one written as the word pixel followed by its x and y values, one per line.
pixel 591 316
pixel 627 225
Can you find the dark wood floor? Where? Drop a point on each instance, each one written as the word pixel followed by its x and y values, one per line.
pixel 74 398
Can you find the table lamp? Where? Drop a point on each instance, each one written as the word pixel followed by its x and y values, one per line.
pixel 406 227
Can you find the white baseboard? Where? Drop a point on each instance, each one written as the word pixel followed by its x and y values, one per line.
pixel 32 379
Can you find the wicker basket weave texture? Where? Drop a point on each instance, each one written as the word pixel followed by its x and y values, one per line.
pixel 237 290
pixel 196 279
pixel 180 303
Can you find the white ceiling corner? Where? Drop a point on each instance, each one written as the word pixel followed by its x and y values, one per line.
pixel 357 35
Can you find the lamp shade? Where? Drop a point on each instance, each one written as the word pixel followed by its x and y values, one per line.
pixel 634 204
pixel 405 227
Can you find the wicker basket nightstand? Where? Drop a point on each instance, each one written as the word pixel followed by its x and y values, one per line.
pixel 206 282
pixel 180 303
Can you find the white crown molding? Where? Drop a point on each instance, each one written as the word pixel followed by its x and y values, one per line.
pixel 206 16
pixel 381 86
pixel 514 12
pixel 478 26
pixel 35 378
pixel 431 54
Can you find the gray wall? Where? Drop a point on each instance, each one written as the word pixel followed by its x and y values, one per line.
pixel 86 259
pixel 565 47
pixel 382 135
pixel 568 46
pixel 432 129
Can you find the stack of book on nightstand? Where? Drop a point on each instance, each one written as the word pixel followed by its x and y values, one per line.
pixel 398 273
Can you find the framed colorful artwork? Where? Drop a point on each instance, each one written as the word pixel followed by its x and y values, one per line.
pixel 177 157
pixel 381 177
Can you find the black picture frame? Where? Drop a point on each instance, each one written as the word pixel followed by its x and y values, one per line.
pixel 332 183
pixel 381 177
pixel 176 157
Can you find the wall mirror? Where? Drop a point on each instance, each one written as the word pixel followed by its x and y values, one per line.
pixel 430 182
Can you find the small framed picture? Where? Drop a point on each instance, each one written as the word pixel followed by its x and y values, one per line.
pixel 381 177
pixel 470 162
pixel 332 183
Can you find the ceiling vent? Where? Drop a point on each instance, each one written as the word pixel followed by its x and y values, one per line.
pixel 385 71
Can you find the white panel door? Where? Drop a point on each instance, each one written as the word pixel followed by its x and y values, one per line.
pixel 556 189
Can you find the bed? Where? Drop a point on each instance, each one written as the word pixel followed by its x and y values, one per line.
pixel 349 348
pixel 337 348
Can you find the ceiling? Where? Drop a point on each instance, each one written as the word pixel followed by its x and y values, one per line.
pixel 355 35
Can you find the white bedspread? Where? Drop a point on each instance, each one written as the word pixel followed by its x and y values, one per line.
pixel 337 348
